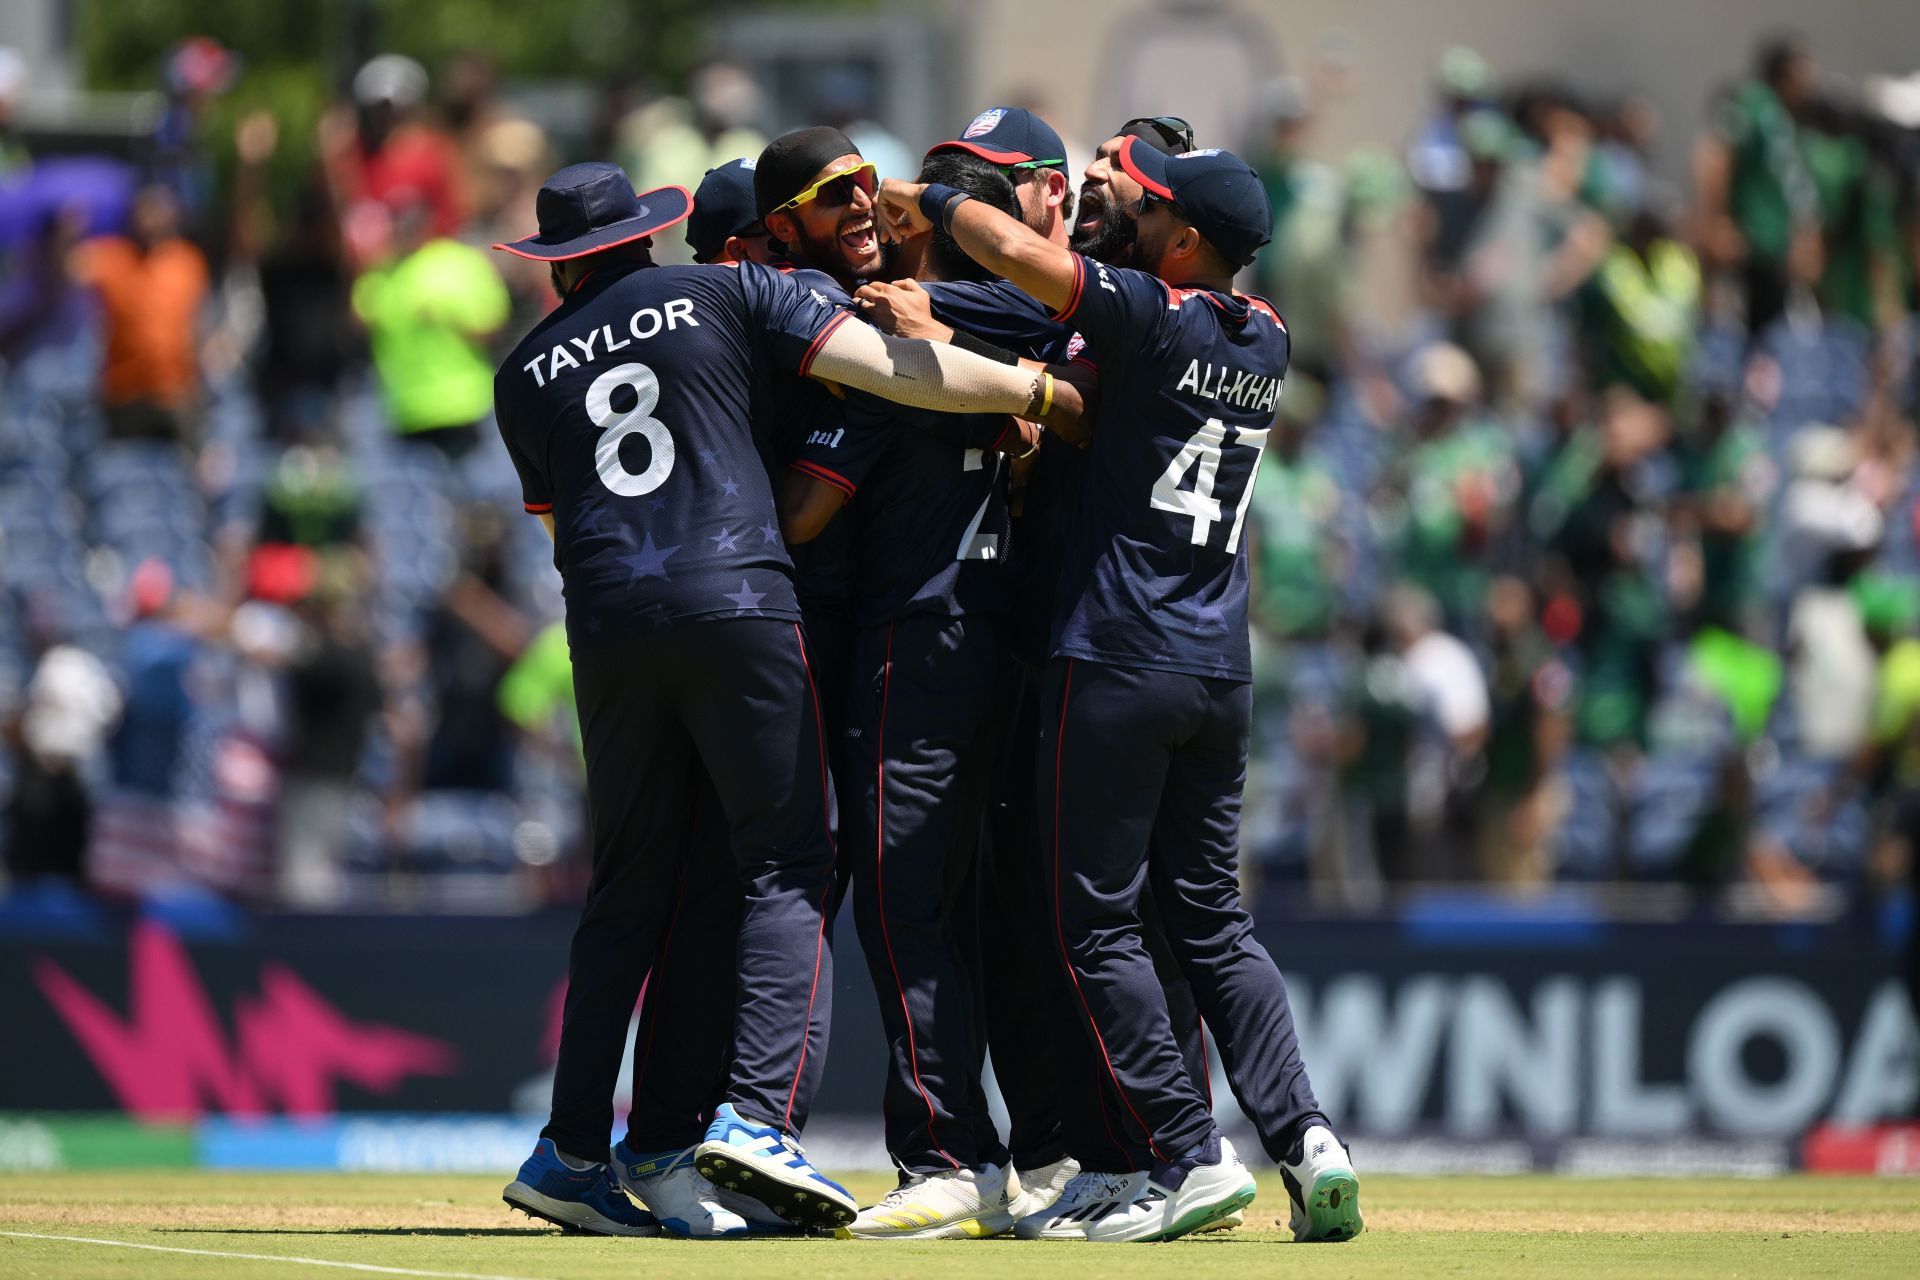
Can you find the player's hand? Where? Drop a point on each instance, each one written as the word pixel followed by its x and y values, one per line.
pixel 901 308
pixel 897 205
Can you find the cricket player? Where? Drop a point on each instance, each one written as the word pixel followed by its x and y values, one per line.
pixel 1068 1136
pixel 1146 705
pixel 928 520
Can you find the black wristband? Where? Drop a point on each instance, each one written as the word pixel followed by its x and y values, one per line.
pixel 981 347
pixel 938 201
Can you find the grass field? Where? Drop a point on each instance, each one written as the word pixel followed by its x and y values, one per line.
pixel 292 1225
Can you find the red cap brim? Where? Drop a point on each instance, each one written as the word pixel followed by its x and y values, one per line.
pixel 1136 167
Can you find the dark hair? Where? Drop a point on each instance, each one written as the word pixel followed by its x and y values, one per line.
pixel 1775 54
pixel 984 181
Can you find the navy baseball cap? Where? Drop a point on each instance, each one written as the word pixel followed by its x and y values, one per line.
pixel 585 208
pixel 722 207
pixel 1010 136
pixel 1215 190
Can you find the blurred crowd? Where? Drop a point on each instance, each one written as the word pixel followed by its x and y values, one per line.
pixel 1605 566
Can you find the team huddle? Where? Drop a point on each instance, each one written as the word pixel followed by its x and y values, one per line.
pixel 902 542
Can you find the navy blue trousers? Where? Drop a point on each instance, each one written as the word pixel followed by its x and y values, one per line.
pixel 1143 771
pixel 724 710
pixel 1059 1099
pixel 926 699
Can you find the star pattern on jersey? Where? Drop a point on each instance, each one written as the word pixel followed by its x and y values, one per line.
pixel 1212 615
pixel 650 562
pixel 654 505
pixel 746 598
pixel 725 540
pixel 709 457
pixel 769 534
pixel 730 487
pixel 595 523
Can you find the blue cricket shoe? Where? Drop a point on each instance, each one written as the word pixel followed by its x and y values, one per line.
pixel 763 1164
pixel 588 1199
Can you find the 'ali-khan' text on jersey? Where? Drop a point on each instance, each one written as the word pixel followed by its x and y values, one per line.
pixel 1155 572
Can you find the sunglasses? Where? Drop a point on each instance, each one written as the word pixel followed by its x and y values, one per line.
pixel 1148 199
pixel 835 189
pixel 1173 131
pixel 1028 166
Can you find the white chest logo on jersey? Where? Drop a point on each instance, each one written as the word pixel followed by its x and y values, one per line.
pixel 985 122
pixel 1106 281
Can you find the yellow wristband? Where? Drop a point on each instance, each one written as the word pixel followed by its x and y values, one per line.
pixel 1046 396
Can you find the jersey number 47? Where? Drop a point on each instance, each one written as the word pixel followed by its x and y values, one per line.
pixel 1201 455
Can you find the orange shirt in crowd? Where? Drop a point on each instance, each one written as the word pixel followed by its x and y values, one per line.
pixel 150 303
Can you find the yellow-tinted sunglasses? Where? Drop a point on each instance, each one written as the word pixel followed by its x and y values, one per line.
pixel 836 188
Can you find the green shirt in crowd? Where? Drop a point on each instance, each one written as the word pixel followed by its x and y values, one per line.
pixel 1771 191
pixel 428 316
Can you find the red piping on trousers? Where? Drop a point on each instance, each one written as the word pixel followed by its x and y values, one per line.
pixel 880 893
pixel 1206 1063
pixel 1059 928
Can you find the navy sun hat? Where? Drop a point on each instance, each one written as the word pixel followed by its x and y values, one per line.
pixel 1008 135
pixel 1215 190
pixel 585 208
pixel 723 206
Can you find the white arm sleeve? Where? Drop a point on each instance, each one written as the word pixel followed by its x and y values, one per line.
pixel 925 375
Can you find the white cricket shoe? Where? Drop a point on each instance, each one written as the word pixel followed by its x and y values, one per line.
pixel 1085 1195
pixel 1040 1187
pixel 1323 1188
pixel 1179 1197
pixel 688 1205
pixel 954 1204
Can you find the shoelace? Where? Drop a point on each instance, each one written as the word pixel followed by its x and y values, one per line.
pixel 901 1194
pixel 1087 1187
pixel 677 1161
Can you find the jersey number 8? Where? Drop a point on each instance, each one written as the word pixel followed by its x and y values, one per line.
pixel 616 426
pixel 1201 455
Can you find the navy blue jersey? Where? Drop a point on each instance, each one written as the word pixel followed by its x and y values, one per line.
pixel 1000 312
pixel 1155 572
pixel 929 514
pixel 629 413
pixel 823 569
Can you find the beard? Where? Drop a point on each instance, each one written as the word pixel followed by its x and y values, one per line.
pixel 1113 240
pixel 827 253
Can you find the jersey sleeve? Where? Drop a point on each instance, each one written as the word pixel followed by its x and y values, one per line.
pixel 842 452
pixel 996 311
pixel 1118 311
pixel 529 459
pixel 790 318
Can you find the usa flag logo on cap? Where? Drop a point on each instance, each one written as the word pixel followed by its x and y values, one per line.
pixel 985 122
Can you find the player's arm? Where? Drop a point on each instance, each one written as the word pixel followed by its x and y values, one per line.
pixel 1004 245
pixel 509 417
pixel 926 375
pixel 808 504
